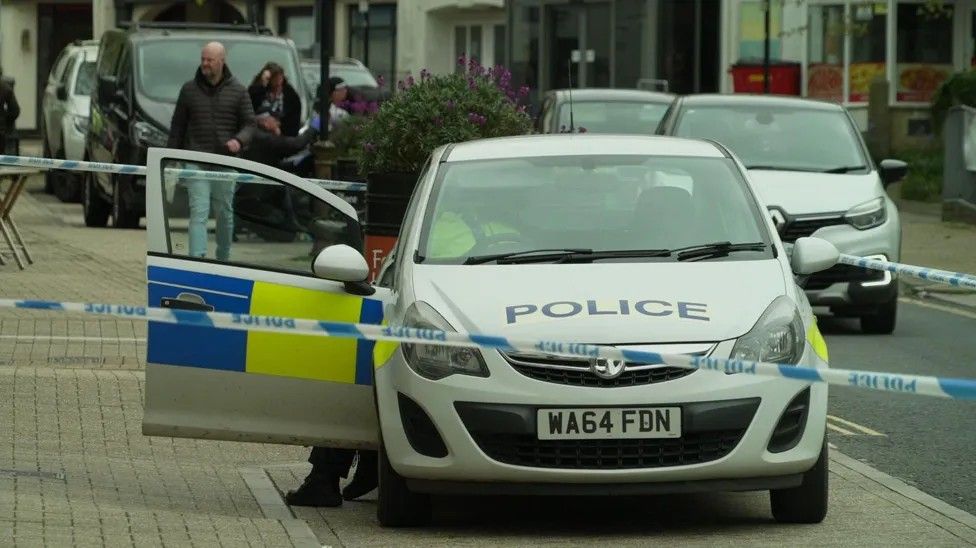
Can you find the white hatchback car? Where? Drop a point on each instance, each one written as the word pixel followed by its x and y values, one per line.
pixel 64 124
pixel 649 243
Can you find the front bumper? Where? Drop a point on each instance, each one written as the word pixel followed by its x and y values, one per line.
pixel 485 424
pixel 854 288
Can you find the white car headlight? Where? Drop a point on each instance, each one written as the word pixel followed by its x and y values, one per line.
pixel 149 135
pixel 434 361
pixel 867 215
pixel 80 122
pixel 777 337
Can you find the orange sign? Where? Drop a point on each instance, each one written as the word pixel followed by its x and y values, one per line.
pixel 825 82
pixel 917 82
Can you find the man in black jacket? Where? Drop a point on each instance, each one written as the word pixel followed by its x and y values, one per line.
pixel 213 114
pixel 9 111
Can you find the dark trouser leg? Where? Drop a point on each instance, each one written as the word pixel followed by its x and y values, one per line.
pixel 321 486
pixel 365 479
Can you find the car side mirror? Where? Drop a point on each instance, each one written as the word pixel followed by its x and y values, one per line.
pixel 62 92
pixel 810 255
pixel 342 263
pixel 108 89
pixel 892 171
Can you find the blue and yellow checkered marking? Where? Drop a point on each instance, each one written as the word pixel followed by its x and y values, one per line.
pixel 280 354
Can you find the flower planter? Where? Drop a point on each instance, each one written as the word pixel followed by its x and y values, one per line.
pixel 387 195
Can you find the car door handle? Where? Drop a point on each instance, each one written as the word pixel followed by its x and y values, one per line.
pixel 187 301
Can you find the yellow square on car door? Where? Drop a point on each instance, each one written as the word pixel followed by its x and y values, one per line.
pixel 302 356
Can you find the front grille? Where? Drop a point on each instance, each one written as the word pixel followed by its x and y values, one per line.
pixel 799 228
pixel 576 371
pixel 841 273
pixel 526 450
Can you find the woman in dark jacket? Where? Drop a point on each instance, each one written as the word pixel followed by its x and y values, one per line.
pixel 272 94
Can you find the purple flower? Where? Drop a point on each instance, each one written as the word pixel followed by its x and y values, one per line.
pixel 523 91
pixel 477 119
pixel 372 107
pixel 471 83
pixel 369 147
pixel 410 81
pixel 521 109
pixel 380 80
pixel 358 107
pixel 582 129
pixel 462 60
pixel 449 105
pixel 401 86
pixel 424 74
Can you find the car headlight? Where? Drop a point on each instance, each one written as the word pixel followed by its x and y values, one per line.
pixel 777 337
pixel 149 135
pixel 867 215
pixel 80 122
pixel 434 361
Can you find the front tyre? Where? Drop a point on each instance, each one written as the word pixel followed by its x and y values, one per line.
pixel 807 502
pixel 397 505
pixel 96 210
pixel 881 321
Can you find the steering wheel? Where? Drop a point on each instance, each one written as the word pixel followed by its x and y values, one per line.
pixel 494 240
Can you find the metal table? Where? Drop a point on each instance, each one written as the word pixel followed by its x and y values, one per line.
pixel 18 178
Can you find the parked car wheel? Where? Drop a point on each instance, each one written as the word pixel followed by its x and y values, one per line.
pixel 397 505
pixel 882 321
pixel 48 174
pixel 124 215
pixel 66 185
pixel 96 210
pixel 806 503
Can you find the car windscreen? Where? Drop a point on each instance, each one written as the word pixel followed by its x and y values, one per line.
pixel 600 203
pixel 85 80
pixel 624 117
pixel 774 137
pixel 352 76
pixel 164 66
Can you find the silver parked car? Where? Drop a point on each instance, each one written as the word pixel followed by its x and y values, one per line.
pixel 67 99
pixel 809 163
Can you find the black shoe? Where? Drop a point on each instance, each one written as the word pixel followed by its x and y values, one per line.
pixel 365 479
pixel 316 491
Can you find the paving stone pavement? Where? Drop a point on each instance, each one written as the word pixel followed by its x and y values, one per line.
pixel 75 469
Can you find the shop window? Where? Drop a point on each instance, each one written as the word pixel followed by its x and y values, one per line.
pixel 924 56
pixel 298 24
pixel 752 30
pixel 372 39
pixel 825 70
pixel 868 41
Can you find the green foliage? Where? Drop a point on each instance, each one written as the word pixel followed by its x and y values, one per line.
pixel 924 180
pixel 437 110
pixel 347 136
pixel 958 89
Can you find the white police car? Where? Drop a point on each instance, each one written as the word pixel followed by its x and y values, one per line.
pixel 636 242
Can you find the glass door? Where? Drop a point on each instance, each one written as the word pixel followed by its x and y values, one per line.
pixel 577 45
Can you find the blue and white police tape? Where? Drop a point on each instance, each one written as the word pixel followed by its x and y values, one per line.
pixel 100 167
pixel 956 279
pixel 962 389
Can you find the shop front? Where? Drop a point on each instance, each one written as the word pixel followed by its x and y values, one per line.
pixel 668 45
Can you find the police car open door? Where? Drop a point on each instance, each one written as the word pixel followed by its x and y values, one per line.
pixel 229 235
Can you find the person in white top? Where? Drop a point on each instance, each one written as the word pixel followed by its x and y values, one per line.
pixel 339 92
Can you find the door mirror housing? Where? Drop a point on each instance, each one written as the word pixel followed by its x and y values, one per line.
pixel 892 171
pixel 340 263
pixel 62 92
pixel 108 89
pixel 810 255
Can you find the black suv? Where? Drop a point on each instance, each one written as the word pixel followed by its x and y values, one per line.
pixel 140 71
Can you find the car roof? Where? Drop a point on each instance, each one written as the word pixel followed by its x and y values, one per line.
pixel 528 146
pixel 335 61
pixel 716 99
pixel 153 34
pixel 612 94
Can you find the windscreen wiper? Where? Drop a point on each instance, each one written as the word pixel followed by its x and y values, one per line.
pixel 565 256
pixel 784 168
pixel 534 255
pixel 844 169
pixel 716 249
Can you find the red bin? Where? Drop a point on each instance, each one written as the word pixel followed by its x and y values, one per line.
pixel 784 78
